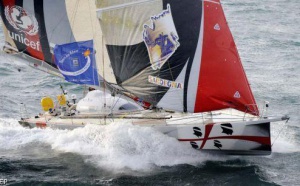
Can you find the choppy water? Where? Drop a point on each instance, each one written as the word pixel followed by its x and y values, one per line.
pixel 267 34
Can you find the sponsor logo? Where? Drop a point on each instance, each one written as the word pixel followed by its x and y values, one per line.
pixel 237 95
pixel 218 144
pixel 217 27
pixel 164 82
pixel 161 38
pixel 75 62
pixel 24 23
pixel 21 20
pixel 197 132
pixel 194 145
pixel 227 128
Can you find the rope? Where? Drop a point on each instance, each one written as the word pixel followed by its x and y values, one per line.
pixel 73 18
pixel 280 131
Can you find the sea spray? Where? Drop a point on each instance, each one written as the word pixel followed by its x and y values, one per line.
pixel 113 147
pixel 124 146
pixel 116 146
pixel 283 139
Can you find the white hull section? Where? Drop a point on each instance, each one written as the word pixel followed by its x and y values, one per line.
pixel 221 132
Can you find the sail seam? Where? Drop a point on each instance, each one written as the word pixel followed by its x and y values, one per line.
pixel 73 18
pixel 210 1
pixel 189 68
pixel 39 9
pixel 125 5
pixel 135 3
pixel 196 68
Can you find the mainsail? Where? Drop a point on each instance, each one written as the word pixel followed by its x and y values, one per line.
pixel 175 54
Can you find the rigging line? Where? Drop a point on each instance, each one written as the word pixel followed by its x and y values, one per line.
pixel 170 70
pixel 187 118
pixel 182 101
pixel 280 131
pixel 174 79
pixel 52 31
pixel 95 44
pixel 192 121
pixel 104 84
pixel 74 17
pixel 111 110
pixel 45 67
pixel 125 5
pixel 57 26
pixel 91 20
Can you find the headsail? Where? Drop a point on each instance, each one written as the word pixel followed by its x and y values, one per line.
pixel 29 27
pixel 175 54
pixel 33 27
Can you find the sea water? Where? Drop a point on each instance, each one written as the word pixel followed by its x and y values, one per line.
pixel 267 34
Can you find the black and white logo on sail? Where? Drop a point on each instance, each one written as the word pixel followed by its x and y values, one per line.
pixel 21 20
pixel 197 132
pixel 227 128
pixel 161 38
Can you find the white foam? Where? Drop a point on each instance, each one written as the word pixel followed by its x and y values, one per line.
pixel 115 147
pixel 283 139
pixel 121 146
pixel 283 146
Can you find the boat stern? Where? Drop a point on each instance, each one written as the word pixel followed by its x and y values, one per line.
pixel 239 138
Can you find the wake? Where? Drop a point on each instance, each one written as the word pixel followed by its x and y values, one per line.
pixel 113 147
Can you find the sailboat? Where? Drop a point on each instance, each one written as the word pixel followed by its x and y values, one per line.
pixel 167 64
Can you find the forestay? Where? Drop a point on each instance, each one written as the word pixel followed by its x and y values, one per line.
pixel 175 54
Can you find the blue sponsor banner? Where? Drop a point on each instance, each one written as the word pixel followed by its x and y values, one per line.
pixel 76 61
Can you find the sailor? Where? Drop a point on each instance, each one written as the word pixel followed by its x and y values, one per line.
pixel 91 89
pixel 53 112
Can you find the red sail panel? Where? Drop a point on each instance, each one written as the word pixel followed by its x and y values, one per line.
pixel 34 48
pixel 222 80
